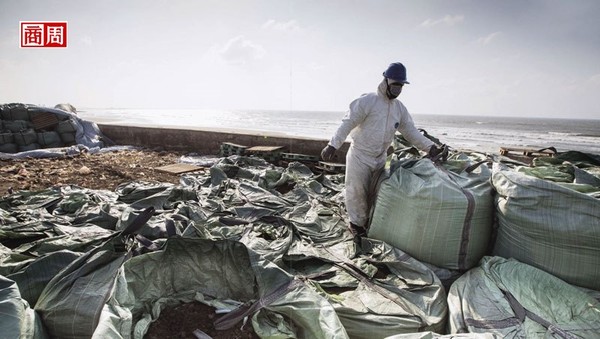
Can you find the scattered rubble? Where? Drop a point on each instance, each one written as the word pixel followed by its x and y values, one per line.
pixel 94 171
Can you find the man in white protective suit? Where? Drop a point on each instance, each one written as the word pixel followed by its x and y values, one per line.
pixel 372 121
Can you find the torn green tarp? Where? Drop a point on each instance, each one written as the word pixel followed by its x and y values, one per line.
pixel 71 303
pixel 558 173
pixel 579 159
pixel 279 208
pixel 78 239
pixel 213 272
pixel 17 233
pixel 269 236
pixel 131 192
pixel 548 226
pixel 574 170
pixel 98 207
pixel 11 261
pixel 33 278
pixel 36 216
pixel 46 237
pixel 515 300
pixel 566 175
pixel 38 231
pixel 441 214
pixel 17 318
pixel 376 292
pixel 277 215
pixel 433 335
pixel 308 206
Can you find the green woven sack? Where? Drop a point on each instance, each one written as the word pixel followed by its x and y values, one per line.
pixel 49 139
pixel 29 147
pixel 6 138
pixel 439 214
pixel 4 112
pixel 26 138
pixel 510 299
pixel 9 148
pixel 16 125
pixel 68 138
pixel 15 112
pixel 548 226
pixel 66 126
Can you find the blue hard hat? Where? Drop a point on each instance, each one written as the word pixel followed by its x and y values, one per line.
pixel 396 71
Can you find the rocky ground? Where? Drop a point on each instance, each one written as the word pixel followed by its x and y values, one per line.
pixel 94 171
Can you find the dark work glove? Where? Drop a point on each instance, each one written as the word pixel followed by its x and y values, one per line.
pixel 437 153
pixel 433 151
pixel 328 152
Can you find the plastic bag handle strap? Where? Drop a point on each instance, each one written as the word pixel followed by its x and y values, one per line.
pixel 521 312
pixel 147 243
pixel 476 165
pixel 361 276
pixel 230 319
pixel 467 223
pixel 139 221
pixel 171 228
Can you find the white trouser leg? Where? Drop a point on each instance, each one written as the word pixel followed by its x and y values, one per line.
pixel 359 172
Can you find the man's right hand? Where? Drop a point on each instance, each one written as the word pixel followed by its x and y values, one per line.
pixel 328 152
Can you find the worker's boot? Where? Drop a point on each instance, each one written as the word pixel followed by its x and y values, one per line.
pixel 357 230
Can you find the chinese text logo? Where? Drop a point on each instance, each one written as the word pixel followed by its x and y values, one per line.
pixel 43 34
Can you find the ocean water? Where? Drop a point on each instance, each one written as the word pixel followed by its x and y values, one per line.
pixel 476 133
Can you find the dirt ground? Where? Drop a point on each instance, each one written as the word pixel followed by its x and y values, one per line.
pixel 181 322
pixel 94 171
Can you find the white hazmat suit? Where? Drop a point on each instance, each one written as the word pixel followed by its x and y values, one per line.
pixel 371 121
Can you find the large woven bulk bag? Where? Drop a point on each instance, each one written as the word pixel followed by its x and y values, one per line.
pixel 26 137
pixel 67 130
pixel 6 138
pixel 9 148
pixel 68 138
pixel 548 226
pixel 67 126
pixel 29 147
pixel 511 299
pixel 16 125
pixel 49 139
pixel 4 112
pixel 15 112
pixel 437 215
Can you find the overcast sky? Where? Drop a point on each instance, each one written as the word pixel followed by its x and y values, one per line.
pixel 469 57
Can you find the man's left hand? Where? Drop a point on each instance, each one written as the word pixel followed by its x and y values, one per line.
pixel 436 152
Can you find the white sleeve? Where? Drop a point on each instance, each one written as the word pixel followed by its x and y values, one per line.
pixel 412 134
pixel 355 115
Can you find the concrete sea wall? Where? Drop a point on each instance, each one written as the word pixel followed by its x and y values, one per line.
pixel 208 141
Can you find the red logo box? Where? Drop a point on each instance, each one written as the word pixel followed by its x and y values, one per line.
pixel 43 34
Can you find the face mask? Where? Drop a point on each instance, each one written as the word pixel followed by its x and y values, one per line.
pixel 394 90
